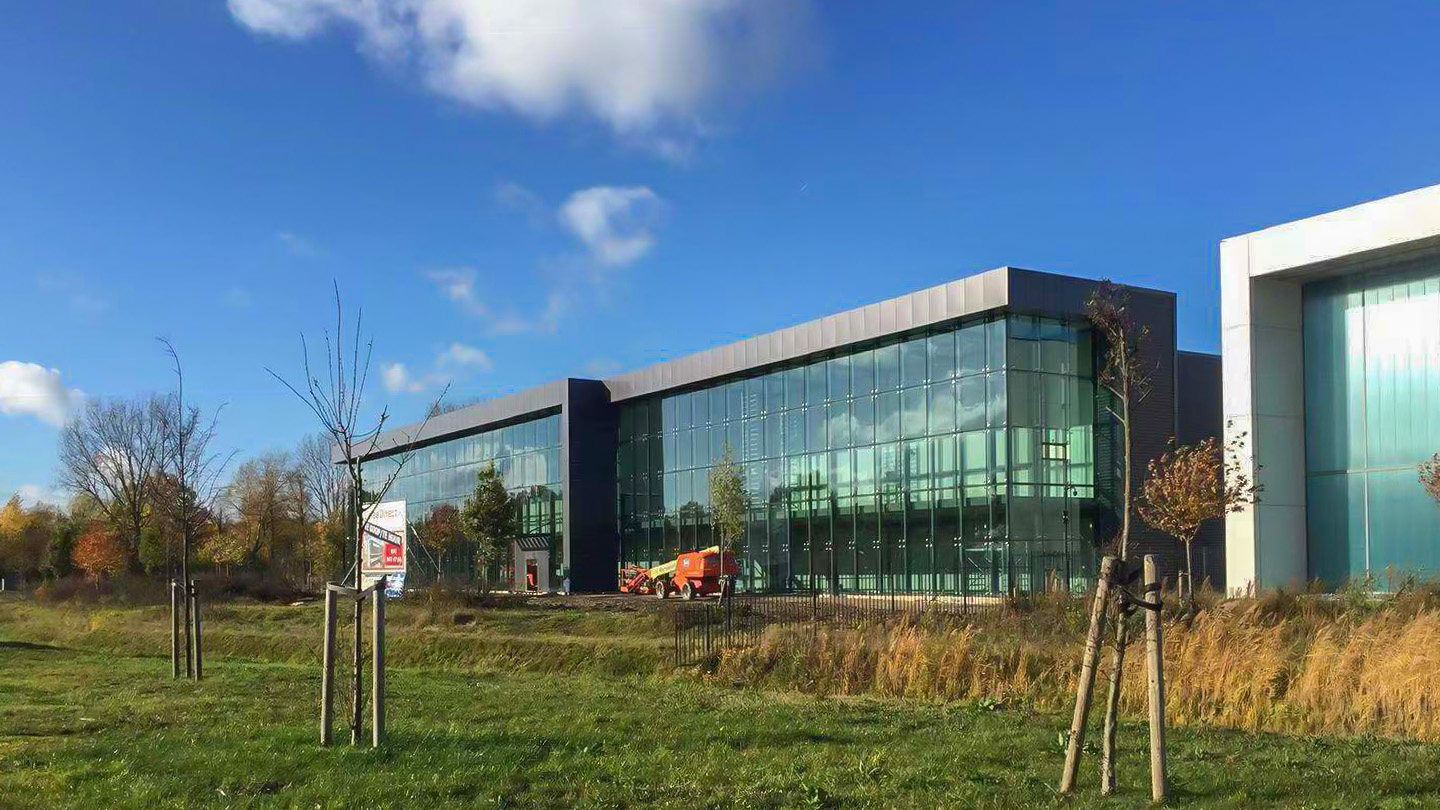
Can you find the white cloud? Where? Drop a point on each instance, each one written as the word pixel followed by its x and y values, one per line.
pixel 458 284
pixel 397 379
pixel 459 354
pixel 36 494
pixel 33 390
pixel 297 245
pixel 614 223
pixel 516 197
pixel 454 361
pixel 636 65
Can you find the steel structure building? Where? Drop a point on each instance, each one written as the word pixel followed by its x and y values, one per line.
pixel 942 441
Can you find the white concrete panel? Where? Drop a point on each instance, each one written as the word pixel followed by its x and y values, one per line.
pixel 1279 443
pixel 1278 387
pixel 1275 302
pixel 1382 224
pixel 1235 371
pixel 1281 531
pixel 1234 282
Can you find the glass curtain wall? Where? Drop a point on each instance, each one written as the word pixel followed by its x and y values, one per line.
pixel 1372 415
pixel 955 461
pixel 526 454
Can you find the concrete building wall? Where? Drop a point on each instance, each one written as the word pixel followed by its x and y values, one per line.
pixel 1261 277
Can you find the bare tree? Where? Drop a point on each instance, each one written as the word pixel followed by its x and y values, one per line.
pixel 326 494
pixel 335 395
pixel 194 469
pixel 1125 376
pixel 110 454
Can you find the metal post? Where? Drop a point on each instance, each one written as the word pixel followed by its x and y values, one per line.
pixel 195 616
pixel 377 652
pixel 1085 688
pixel 1154 648
pixel 327 675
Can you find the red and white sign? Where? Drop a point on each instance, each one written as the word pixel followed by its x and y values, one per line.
pixel 384 540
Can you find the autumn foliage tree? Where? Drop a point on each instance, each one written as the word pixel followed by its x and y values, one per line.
pixel 100 552
pixel 439 534
pixel 1190 484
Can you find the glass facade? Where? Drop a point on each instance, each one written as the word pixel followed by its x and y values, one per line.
pixel 1372 405
pixel 960 460
pixel 527 456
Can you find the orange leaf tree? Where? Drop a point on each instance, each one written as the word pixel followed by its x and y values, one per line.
pixel 99 552
pixel 1190 484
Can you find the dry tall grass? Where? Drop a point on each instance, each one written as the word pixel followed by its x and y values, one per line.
pixel 1280 662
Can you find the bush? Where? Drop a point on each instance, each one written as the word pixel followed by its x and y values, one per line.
pixel 120 590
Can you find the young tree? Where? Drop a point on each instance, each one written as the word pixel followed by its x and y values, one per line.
pixel 1191 484
pixel 729 503
pixel 110 454
pixel 336 403
pixel 100 552
pixel 488 518
pixel 191 480
pixel 439 533
pixel 1124 375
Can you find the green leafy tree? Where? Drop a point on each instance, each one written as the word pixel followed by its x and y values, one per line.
pixel 488 518
pixel 729 502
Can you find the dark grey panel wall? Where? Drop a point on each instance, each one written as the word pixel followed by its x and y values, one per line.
pixel 1155 419
pixel 589 427
pixel 1200 417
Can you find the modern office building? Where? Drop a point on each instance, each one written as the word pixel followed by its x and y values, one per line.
pixel 1331 344
pixel 950 440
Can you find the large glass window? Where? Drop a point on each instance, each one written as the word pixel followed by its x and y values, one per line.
pixel 889 468
pixel 527 455
pixel 1372 415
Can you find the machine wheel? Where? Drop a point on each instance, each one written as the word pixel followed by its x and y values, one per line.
pixel 687 592
pixel 662 589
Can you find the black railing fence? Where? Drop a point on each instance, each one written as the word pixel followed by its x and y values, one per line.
pixel 704 628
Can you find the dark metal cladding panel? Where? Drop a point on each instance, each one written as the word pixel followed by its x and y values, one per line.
pixel 1154 419
pixel 502 410
pixel 1199 417
pixel 589 431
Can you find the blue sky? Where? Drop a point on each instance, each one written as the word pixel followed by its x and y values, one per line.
pixel 519 191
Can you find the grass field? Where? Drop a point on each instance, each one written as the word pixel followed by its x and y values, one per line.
pixel 85 722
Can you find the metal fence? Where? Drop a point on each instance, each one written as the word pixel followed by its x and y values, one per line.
pixel 704 628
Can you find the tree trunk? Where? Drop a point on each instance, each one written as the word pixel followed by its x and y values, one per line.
pixel 1112 704
pixel 1188 597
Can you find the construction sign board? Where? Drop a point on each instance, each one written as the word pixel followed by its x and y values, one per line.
pixel 384 541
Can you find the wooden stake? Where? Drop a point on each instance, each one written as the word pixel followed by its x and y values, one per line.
pixel 377 678
pixel 1108 753
pixel 357 706
pixel 174 629
pixel 327 673
pixel 1085 688
pixel 195 613
pixel 1154 649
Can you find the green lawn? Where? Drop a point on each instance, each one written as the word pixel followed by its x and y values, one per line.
pixel 87 728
